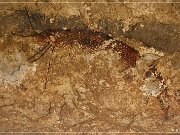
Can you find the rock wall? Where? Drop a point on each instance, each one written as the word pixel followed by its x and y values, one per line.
pixel 94 66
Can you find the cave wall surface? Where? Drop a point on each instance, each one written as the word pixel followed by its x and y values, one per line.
pixel 93 66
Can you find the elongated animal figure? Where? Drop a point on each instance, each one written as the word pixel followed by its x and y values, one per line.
pixel 154 84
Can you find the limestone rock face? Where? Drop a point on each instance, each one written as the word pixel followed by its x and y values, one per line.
pixel 77 67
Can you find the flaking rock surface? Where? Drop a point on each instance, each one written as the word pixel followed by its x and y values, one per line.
pixel 74 87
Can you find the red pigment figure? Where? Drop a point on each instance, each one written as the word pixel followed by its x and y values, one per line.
pixel 154 84
pixel 88 38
